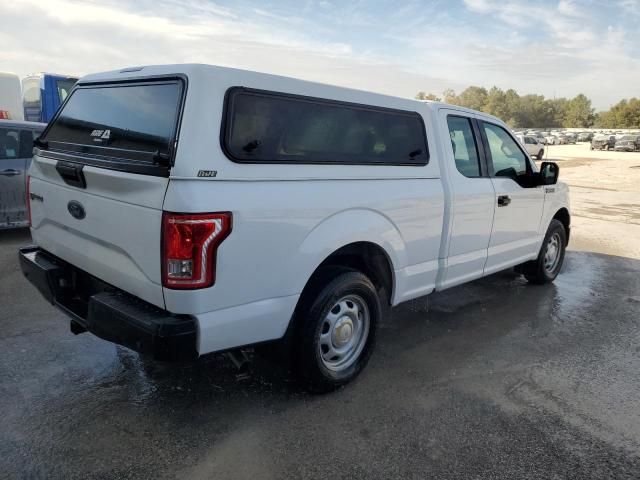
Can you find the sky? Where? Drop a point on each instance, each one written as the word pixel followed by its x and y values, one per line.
pixel 556 48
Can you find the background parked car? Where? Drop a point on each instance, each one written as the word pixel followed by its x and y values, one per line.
pixel 532 146
pixel 627 143
pixel 551 139
pixel 585 137
pixel 539 137
pixel 16 146
pixel 603 142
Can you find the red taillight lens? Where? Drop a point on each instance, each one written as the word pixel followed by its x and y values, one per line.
pixel 190 243
pixel 27 189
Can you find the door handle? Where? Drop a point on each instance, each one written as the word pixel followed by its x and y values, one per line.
pixel 10 172
pixel 503 200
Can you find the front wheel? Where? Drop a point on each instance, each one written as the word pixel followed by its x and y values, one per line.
pixel 549 262
pixel 336 321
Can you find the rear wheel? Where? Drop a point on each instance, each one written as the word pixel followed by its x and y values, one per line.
pixel 540 154
pixel 336 324
pixel 549 262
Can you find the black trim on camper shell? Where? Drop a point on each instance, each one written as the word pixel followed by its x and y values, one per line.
pixel 85 159
pixel 118 164
pixel 227 113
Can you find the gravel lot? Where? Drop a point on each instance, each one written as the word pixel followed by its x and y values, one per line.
pixel 495 379
pixel 605 197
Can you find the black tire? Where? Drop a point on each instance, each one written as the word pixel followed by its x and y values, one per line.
pixel 329 289
pixel 540 271
pixel 540 154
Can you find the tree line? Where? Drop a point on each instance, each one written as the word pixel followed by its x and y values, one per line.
pixel 537 111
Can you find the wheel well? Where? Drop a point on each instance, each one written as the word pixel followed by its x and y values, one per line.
pixel 365 257
pixel 563 216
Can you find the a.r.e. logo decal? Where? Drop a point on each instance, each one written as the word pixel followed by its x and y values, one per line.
pixel 207 173
pixel 100 135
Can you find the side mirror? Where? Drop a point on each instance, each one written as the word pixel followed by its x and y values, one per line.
pixel 549 173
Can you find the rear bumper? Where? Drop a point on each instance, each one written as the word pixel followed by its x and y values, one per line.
pixel 108 312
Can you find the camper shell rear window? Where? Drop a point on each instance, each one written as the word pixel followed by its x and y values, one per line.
pixel 270 127
pixel 119 125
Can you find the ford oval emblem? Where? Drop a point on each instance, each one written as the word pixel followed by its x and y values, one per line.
pixel 76 209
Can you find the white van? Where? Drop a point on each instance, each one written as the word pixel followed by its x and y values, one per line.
pixel 187 209
pixel 10 97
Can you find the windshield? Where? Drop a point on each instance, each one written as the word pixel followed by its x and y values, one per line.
pixel 64 87
pixel 131 121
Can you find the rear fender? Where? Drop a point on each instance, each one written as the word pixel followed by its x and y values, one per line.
pixel 344 228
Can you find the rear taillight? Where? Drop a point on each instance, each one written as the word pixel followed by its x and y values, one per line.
pixel 27 189
pixel 189 246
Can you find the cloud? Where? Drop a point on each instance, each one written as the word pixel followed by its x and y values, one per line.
pixel 82 37
pixel 568 52
pixel 482 6
pixel 550 48
pixel 569 7
pixel 630 7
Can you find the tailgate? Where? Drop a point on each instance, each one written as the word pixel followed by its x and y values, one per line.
pixel 99 177
pixel 118 240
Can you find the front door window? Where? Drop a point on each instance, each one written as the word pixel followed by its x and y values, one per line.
pixel 506 158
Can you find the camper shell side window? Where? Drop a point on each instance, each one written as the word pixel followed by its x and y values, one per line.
pixel 269 127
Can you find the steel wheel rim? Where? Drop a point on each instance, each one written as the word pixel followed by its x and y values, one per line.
pixel 552 253
pixel 343 333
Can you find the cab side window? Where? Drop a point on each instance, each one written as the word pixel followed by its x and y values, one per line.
pixel 507 159
pixel 464 146
pixel 9 143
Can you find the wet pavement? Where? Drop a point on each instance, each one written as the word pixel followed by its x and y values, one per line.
pixel 495 379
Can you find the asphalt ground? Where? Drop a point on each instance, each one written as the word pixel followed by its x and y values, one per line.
pixel 494 379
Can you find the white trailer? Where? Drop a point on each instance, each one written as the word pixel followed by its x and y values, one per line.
pixel 10 97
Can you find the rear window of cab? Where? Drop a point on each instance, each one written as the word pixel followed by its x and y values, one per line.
pixel 269 127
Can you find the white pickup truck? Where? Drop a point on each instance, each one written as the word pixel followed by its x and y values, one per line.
pixel 187 209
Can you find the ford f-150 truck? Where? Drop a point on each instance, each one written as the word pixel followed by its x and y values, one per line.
pixel 187 209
